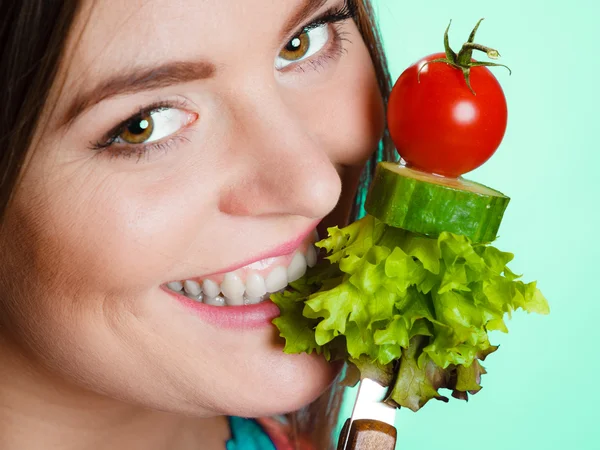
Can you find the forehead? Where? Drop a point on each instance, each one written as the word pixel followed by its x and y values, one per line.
pixel 110 34
pixel 114 36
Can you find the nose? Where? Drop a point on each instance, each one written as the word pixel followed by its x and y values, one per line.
pixel 281 168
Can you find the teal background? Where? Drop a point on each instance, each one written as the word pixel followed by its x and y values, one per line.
pixel 540 391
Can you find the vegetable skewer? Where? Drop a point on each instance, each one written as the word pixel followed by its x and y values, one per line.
pixel 408 294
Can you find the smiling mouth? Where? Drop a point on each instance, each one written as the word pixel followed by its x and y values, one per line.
pixel 253 283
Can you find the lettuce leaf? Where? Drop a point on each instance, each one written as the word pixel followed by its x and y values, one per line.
pixel 412 310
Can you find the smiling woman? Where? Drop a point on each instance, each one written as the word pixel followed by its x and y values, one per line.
pixel 165 167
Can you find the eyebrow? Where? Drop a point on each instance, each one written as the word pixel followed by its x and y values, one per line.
pixel 307 8
pixel 139 79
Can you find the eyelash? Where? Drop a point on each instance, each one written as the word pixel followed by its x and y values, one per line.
pixel 127 151
pixel 335 16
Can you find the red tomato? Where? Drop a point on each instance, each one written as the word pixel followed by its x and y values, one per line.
pixel 439 125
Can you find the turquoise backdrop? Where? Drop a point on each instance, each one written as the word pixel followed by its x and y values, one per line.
pixel 540 391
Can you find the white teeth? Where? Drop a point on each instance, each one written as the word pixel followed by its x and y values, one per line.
pixel 175 286
pixel 234 292
pixel 277 279
pixel 252 300
pixel 232 287
pixel 197 298
pixel 192 288
pixel 211 289
pixel 315 235
pixel 255 286
pixel 297 267
pixel 214 301
pixel 236 301
pixel 311 256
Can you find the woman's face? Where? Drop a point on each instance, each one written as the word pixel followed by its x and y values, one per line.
pixel 187 140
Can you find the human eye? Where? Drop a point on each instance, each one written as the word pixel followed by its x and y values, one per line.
pixel 316 37
pixel 303 46
pixel 154 127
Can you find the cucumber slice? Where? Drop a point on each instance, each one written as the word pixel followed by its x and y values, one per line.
pixel 430 204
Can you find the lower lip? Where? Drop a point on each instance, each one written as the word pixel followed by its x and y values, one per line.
pixel 250 317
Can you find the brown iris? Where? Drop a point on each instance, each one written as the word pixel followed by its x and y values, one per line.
pixel 138 130
pixel 297 48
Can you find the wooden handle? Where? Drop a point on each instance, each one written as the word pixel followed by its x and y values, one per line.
pixel 367 435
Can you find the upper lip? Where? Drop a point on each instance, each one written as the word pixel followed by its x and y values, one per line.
pixel 281 250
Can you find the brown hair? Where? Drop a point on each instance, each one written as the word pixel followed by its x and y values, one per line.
pixel 32 38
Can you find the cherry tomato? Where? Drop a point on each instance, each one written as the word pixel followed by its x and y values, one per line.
pixel 439 125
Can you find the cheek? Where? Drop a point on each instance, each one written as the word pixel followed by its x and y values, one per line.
pixel 89 256
pixel 349 115
pixel 120 235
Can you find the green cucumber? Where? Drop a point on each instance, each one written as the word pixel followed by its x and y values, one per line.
pixel 430 204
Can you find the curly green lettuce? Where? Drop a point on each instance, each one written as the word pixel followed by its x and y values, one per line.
pixel 409 310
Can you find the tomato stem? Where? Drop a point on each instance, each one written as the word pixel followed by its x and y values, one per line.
pixel 464 59
pixel 490 52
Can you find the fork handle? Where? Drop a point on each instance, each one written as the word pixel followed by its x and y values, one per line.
pixel 366 434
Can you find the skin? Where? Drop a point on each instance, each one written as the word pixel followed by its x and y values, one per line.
pixel 95 354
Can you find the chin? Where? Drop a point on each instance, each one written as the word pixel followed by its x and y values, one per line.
pixel 287 383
